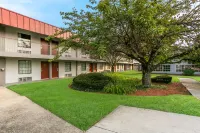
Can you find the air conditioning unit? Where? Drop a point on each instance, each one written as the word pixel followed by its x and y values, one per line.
pixel 25 79
pixel 68 75
pixel 24 51
pixel 68 55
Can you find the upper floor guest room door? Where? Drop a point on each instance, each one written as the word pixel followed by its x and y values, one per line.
pixel 45 47
pixel 54 46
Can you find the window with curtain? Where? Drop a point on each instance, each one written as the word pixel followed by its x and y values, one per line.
pixel 83 66
pixel 67 66
pixel 24 67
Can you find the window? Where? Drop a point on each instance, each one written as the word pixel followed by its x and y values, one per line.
pixel 127 67
pixel 166 68
pixel 163 68
pixel 24 67
pixel 101 66
pixel 118 66
pixel 67 66
pixel 181 68
pixel 83 51
pixel 108 66
pixel 24 40
pixel 83 66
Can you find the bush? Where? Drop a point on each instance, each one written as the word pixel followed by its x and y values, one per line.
pixel 188 72
pixel 162 79
pixel 90 82
pixel 121 85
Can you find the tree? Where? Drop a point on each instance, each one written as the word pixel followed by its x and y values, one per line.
pixel 152 32
pixel 109 55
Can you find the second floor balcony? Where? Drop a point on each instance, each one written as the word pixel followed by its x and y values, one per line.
pixel 25 48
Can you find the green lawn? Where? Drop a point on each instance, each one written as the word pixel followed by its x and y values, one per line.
pixel 84 109
pixel 175 78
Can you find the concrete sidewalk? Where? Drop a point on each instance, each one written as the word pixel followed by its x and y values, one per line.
pixel 192 85
pixel 18 114
pixel 134 120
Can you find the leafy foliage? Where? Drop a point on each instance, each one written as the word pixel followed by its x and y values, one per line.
pixel 90 82
pixel 188 72
pixel 121 85
pixel 152 32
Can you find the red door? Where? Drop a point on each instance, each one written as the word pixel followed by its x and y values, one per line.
pixel 91 67
pixel 54 48
pixel 44 47
pixel 44 70
pixel 54 69
pixel 95 67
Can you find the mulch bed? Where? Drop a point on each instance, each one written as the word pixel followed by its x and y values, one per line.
pixel 173 88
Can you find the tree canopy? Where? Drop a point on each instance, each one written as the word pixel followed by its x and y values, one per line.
pixel 152 32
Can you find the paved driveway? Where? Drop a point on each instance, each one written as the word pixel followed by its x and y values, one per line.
pixel 134 120
pixel 20 115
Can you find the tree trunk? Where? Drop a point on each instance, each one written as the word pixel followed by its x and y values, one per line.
pixel 146 78
pixel 113 68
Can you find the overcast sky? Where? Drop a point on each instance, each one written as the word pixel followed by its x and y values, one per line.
pixel 45 10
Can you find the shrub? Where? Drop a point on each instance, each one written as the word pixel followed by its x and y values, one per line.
pixel 90 82
pixel 188 72
pixel 162 79
pixel 121 85
pixel 106 71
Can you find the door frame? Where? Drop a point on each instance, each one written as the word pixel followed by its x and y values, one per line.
pixel 94 67
pixel 2 71
pixel 91 67
pixel 52 69
pixel 48 69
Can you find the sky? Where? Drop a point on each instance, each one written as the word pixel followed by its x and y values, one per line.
pixel 44 10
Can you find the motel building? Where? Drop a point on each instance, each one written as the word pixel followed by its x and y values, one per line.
pixel 176 68
pixel 24 52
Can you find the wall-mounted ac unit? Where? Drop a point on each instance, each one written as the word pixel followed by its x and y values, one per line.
pixel 68 55
pixel 25 79
pixel 68 75
pixel 24 51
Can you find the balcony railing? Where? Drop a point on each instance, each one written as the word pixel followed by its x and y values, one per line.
pixel 10 47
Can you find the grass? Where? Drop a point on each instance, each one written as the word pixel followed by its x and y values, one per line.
pixel 175 78
pixel 83 109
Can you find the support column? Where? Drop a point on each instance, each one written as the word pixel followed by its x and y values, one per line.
pixel 50 70
pixel 50 48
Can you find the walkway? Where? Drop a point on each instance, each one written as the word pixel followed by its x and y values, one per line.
pixel 134 120
pixel 20 115
pixel 192 85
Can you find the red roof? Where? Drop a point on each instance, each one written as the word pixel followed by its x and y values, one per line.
pixel 17 20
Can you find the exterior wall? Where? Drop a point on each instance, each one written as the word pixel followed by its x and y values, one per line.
pixel 98 67
pixel 62 73
pixel 12 74
pixel 173 69
pixel 79 71
pixel 11 40
pixel 2 71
